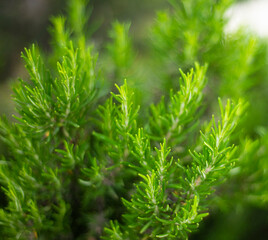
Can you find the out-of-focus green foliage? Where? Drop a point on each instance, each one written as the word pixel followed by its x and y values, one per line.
pixel 195 31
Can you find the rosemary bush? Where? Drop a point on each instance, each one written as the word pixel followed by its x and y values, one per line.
pixel 83 163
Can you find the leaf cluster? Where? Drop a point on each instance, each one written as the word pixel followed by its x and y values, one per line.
pixel 78 159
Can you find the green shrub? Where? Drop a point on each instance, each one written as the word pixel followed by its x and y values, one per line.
pixel 85 164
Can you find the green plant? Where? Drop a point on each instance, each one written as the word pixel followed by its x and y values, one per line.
pixel 79 158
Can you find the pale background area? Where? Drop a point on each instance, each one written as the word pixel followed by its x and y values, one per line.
pixel 251 14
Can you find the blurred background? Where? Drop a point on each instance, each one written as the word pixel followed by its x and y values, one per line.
pixel 23 22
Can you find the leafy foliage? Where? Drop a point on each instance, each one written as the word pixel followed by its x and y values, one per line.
pixel 78 159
